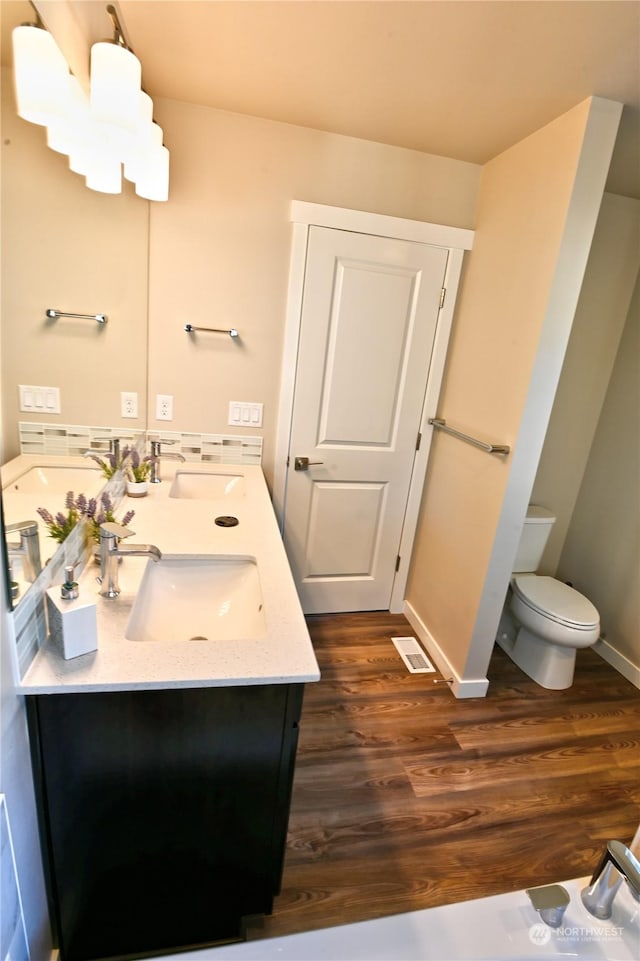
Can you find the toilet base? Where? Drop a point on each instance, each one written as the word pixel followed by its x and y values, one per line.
pixel 549 665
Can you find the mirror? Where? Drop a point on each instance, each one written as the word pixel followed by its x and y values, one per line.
pixel 69 248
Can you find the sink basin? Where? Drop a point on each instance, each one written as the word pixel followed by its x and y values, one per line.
pixel 58 480
pixel 206 486
pixel 198 599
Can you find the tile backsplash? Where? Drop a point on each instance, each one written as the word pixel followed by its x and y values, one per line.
pixel 75 439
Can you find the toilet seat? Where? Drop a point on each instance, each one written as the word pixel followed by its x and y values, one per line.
pixel 556 601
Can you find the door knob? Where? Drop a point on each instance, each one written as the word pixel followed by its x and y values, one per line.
pixel 303 463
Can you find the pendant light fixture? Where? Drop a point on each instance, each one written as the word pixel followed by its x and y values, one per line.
pixel 105 133
pixel 41 74
pixel 116 76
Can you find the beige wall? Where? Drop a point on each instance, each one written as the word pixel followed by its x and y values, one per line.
pixel 220 248
pixel 67 247
pixel 602 310
pixel 219 256
pixel 536 214
pixel 601 554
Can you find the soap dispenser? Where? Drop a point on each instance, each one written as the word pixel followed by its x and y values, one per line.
pixel 73 627
pixel 69 590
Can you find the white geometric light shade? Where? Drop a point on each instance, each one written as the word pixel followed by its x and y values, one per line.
pixel 41 75
pixel 116 76
pixel 105 173
pixel 67 130
pixel 153 181
pixel 149 137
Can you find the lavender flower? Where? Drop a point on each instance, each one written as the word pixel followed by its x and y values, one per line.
pixel 45 515
pixel 62 524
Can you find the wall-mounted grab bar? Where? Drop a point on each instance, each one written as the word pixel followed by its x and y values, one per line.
pixel 53 314
pixel 441 424
pixel 190 329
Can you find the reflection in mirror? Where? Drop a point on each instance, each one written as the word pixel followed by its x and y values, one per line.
pixel 75 250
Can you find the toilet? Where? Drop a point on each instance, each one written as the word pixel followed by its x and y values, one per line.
pixel 544 621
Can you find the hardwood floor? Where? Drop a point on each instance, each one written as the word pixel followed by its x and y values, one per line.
pixel 407 798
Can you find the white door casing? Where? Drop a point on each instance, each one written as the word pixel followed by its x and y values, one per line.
pixel 364 354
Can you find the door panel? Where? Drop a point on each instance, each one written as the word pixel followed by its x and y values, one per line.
pixel 335 508
pixel 369 315
pixel 368 414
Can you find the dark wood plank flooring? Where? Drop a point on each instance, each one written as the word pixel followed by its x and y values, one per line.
pixel 407 798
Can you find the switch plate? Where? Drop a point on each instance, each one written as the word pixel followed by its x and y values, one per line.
pixel 128 404
pixel 45 400
pixel 245 414
pixel 164 407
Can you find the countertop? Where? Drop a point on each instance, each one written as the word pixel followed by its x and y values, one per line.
pixel 284 654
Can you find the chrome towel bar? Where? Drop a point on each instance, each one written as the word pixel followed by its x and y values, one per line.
pixel 441 424
pixel 190 329
pixel 53 314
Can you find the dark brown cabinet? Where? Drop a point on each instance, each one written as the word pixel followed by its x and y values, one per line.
pixel 163 813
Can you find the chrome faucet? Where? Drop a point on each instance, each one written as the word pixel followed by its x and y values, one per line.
pixel 154 477
pixel 28 549
pixel 111 549
pixel 617 863
pixel 114 448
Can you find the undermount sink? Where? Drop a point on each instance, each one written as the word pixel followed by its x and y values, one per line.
pixel 199 485
pixel 198 599
pixel 58 480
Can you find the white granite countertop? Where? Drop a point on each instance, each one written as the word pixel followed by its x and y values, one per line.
pixel 179 526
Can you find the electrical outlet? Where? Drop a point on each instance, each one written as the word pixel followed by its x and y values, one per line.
pixel 164 407
pixel 128 404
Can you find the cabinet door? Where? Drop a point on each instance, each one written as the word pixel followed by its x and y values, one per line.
pixel 163 810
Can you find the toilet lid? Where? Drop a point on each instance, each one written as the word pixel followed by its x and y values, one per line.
pixel 556 600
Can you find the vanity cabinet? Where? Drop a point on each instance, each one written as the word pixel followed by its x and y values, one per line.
pixel 163 813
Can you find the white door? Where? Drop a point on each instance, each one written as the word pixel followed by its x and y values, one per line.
pixel 369 313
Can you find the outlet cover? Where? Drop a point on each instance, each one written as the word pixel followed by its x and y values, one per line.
pixel 128 404
pixel 164 407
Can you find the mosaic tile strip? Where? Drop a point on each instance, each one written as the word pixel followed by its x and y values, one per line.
pixel 75 439
pixel 72 439
pixel 211 448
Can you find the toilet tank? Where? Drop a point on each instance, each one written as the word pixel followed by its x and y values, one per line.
pixel 533 540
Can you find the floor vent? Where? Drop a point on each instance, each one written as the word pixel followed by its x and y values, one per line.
pixel 413 656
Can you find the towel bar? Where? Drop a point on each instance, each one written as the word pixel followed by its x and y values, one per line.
pixel 441 424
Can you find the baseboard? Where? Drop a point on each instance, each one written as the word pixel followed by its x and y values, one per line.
pixel 461 687
pixel 618 661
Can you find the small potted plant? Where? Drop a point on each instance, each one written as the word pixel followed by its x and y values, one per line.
pixel 62 524
pixel 96 513
pixel 136 472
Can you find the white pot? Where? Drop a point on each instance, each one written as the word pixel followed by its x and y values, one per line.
pixel 137 488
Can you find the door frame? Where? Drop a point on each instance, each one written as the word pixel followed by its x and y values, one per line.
pixel 455 240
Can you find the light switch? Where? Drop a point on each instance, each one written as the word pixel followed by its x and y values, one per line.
pixel 245 414
pixel 44 399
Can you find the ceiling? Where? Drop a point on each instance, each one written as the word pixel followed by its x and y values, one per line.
pixel 458 78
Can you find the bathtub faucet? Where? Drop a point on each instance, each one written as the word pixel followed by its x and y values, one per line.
pixel 617 863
